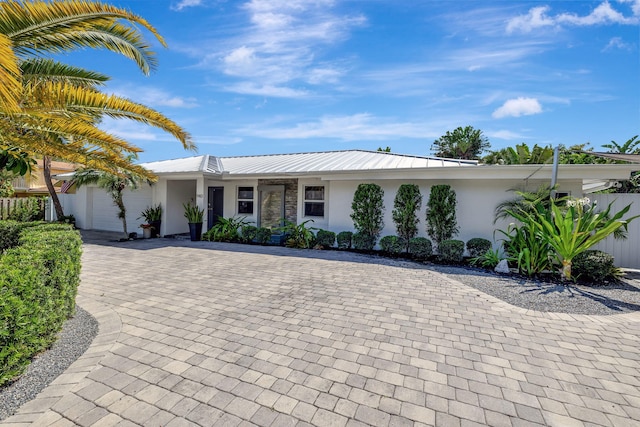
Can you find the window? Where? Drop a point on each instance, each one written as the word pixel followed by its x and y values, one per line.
pixel 245 200
pixel 314 200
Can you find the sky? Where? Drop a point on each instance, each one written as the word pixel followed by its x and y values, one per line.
pixel 284 76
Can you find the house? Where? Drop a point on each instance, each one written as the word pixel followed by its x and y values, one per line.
pixel 33 184
pixel 320 186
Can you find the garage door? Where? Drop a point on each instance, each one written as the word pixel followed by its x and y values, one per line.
pixel 105 214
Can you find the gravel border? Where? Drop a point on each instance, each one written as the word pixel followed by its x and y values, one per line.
pixel 615 298
pixel 74 339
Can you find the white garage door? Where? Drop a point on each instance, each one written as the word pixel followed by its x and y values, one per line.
pixel 105 213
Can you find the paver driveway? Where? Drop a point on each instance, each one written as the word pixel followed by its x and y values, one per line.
pixel 222 334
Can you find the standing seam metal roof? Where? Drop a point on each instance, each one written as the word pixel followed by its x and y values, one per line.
pixel 325 161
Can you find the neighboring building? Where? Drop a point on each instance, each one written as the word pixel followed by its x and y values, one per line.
pixel 320 186
pixel 33 184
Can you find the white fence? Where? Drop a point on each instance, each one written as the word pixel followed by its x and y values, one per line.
pixel 626 252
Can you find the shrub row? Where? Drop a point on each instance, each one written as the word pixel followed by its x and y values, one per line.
pixel 39 277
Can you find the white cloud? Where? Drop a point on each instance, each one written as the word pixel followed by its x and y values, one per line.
pixel 153 97
pixel 216 140
pixel 182 4
pixel 362 126
pixel 505 134
pixel 518 107
pixel 249 88
pixel 283 44
pixel 536 18
pixel 604 13
pixel 617 43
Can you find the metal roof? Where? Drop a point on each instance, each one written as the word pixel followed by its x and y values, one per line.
pixel 301 163
pixel 204 163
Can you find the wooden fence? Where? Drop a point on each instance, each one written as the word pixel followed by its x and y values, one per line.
pixel 23 208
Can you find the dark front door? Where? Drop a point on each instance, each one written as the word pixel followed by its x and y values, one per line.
pixel 215 206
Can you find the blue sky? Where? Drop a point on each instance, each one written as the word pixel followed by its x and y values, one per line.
pixel 277 76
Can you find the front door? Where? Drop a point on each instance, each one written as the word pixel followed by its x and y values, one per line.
pixel 215 205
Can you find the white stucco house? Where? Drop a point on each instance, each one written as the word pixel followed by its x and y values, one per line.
pixel 320 186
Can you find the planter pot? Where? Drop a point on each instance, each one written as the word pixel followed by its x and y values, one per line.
pixel 195 231
pixel 146 233
pixel 155 231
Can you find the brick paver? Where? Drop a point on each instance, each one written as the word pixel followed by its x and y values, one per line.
pixel 219 334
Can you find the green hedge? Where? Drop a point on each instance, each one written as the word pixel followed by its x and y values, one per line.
pixel 38 283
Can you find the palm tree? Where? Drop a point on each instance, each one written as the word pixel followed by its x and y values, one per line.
pixel 112 183
pixel 521 154
pixel 631 146
pixel 54 109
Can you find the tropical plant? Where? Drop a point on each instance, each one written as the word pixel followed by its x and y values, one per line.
pixel 152 213
pixel 489 259
pixel 50 109
pixel 344 239
pixel 114 184
pixel 298 235
pixel 594 267
pixel 441 214
pixel 420 247
pixel 367 211
pixel 478 246
pixel 28 209
pixel 630 146
pixel 574 230
pixel 263 235
pixel 463 143
pixel 524 247
pixel 192 212
pixel 6 183
pixel 248 233
pixel 525 201
pixel 521 154
pixel 406 205
pixel 226 229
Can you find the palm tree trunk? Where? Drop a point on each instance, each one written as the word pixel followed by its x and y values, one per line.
pixel 46 169
pixel 117 200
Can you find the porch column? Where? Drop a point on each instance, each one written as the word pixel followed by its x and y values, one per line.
pixel 200 200
pixel 159 196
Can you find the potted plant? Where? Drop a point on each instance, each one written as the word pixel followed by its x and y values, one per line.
pixel 194 216
pixel 146 230
pixel 153 216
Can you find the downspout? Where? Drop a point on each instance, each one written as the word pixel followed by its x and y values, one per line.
pixel 554 171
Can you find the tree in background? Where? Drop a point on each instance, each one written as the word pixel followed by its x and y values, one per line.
pixel 406 206
pixel 631 146
pixel 367 213
pixel 521 154
pixel 441 213
pixel 463 143
pixel 387 149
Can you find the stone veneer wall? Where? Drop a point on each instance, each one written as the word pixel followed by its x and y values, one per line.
pixel 290 196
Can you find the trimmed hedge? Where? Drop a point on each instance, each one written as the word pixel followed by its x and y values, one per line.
pixel 420 248
pixel 363 241
pixel 344 239
pixel 325 238
pixel 393 244
pixel 451 251
pixel 38 283
pixel 594 266
pixel 478 246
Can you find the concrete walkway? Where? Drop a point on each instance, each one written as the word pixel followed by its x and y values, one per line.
pixel 220 334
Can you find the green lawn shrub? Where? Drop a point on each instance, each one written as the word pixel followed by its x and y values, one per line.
pixel 363 241
pixel 451 251
pixel 344 239
pixel 263 235
pixel 420 247
pixel 38 283
pixel 393 244
pixel 10 233
pixel 478 246
pixel 248 233
pixel 325 238
pixel 594 266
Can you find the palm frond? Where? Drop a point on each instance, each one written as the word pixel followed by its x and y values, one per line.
pixel 11 87
pixel 38 70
